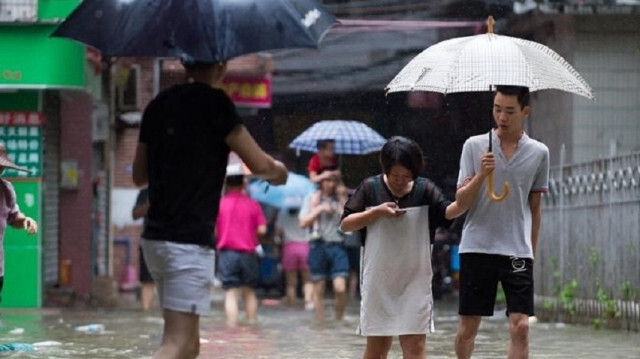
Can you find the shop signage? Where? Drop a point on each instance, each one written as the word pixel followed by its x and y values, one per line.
pixel 249 92
pixel 24 147
pixel 21 118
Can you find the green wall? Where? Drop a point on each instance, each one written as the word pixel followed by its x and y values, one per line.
pixel 23 253
pixel 55 9
pixel 30 58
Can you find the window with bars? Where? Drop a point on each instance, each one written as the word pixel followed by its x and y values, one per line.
pixel 18 10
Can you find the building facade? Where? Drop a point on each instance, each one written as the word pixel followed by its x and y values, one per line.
pixel 54 121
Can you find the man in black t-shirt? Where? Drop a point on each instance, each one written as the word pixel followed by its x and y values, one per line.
pixel 186 134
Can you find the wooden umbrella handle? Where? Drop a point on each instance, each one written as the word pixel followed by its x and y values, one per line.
pixel 492 194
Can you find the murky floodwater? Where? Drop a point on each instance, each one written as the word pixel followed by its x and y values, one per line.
pixel 284 333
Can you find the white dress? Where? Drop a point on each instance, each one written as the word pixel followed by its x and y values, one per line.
pixel 396 276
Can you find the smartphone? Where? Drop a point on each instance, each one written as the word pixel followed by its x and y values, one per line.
pixel 400 210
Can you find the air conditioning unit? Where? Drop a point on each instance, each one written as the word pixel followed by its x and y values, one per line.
pixel 18 10
pixel 127 93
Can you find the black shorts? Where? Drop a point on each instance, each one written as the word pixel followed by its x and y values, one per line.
pixel 238 269
pixel 479 277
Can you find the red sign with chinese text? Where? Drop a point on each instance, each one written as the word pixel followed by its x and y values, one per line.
pixel 249 92
pixel 21 118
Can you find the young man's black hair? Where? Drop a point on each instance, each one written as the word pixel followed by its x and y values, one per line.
pixel 521 92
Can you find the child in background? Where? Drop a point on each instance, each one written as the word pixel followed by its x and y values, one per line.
pixel 295 254
pixel 240 222
pixel 323 165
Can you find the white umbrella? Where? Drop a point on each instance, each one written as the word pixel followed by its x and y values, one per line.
pixel 481 62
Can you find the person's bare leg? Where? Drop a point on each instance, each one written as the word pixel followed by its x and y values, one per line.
pixel 353 285
pixel 340 294
pixel 318 299
pixel 181 336
pixel 291 278
pixel 231 306
pixel 377 347
pixel 307 288
pixel 147 295
pixel 466 336
pixel 250 304
pixel 519 333
pixel 413 346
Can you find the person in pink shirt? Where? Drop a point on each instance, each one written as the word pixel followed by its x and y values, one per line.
pixel 240 222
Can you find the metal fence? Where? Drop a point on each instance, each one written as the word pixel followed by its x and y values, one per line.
pixel 589 246
pixel 18 10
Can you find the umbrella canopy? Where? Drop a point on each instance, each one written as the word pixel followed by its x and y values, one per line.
pixel 202 30
pixel 481 62
pixel 351 137
pixel 289 195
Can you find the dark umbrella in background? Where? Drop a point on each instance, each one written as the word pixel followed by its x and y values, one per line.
pixel 202 30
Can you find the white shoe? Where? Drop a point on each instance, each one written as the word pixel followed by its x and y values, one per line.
pixel 308 306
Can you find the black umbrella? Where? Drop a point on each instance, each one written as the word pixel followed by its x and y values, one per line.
pixel 203 30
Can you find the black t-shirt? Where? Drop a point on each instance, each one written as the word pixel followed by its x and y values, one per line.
pixel 143 198
pixel 184 129
pixel 373 191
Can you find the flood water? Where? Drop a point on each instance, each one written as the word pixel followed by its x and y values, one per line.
pixel 284 333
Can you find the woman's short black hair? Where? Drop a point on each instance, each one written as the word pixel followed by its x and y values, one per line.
pixel 402 151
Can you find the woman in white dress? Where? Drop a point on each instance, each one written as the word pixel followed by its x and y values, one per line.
pixel 397 212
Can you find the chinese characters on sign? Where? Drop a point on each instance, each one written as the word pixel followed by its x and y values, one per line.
pixel 251 92
pixel 24 147
pixel 21 118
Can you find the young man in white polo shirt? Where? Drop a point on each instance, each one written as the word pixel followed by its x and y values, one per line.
pixel 499 238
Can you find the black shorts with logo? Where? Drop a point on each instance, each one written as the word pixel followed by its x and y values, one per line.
pixel 479 277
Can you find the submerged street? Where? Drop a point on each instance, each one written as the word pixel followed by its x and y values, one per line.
pixel 283 333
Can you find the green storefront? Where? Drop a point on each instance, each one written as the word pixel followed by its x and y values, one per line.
pixel 31 64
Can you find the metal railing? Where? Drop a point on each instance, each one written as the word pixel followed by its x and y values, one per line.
pixel 589 246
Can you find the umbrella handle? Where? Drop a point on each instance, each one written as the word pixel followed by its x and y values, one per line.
pixel 492 194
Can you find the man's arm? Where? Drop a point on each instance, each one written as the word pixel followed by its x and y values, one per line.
pixel 468 193
pixel 535 200
pixel 140 210
pixel 140 173
pixel 261 164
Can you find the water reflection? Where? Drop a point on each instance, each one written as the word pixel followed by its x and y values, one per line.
pixel 284 333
